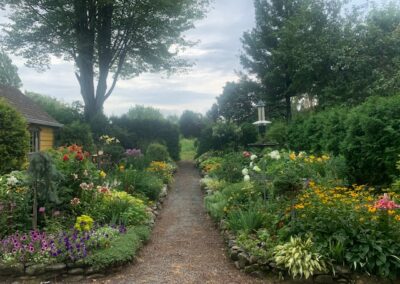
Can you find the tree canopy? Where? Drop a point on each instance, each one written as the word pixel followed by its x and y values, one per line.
pixel 8 72
pixel 119 38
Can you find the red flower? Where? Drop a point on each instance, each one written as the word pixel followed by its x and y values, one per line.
pixel 79 156
pixel 65 158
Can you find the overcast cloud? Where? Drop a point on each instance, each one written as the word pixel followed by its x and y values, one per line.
pixel 216 59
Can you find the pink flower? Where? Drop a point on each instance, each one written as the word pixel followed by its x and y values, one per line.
pixel 56 213
pixel 246 154
pixel 42 209
pixel 385 203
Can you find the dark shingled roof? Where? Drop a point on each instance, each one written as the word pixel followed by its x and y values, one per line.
pixel 33 113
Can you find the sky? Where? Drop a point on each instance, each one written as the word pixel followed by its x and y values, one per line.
pixel 216 59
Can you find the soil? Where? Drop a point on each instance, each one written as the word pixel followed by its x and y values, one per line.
pixel 185 246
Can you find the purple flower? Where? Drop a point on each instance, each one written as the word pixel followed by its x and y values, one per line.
pixel 133 152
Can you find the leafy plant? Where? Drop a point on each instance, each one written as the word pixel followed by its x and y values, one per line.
pixel 299 257
pixel 245 220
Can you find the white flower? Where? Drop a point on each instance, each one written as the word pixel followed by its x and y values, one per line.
pixel 246 178
pixel 256 169
pixel 251 164
pixel 12 181
pixel 275 155
pixel 245 172
pixel 253 157
pixel 75 176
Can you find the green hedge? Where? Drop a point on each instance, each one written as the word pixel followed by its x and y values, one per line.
pixel 122 250
pixel 368 136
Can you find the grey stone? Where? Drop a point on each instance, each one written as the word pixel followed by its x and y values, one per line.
pixel 253 259
pixel 75 278
pixel 251 268
pixel 233 254
pixel 243 260
pixel 15 269
pixel 95 276
pixel 257 274
pixel 92 270
pixel 76 271
pixel 36 269
pixel 342 270
pixel 324 279
pixel 27 278
pixel 272 265
pixel 56 267
pixel 237 264
pixel 236 248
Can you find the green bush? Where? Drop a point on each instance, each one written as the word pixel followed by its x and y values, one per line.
pixel 231 167
pixel 121 250
pixel 14 139
pixel 157 152
pixel 75 133
pixel 371 146
pixel 141 182
pixel 278 132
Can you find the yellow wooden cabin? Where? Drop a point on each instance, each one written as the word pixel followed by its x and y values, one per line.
pixel 41 125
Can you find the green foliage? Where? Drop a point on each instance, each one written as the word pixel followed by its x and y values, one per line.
pixel 121 250
pixel 215 205
pixel 14 139
pixel 371 145
pixel 191 124
pixel 235 104
pixel 300 257
pixel 15 202
pixel 75 133
pixel 141 182
pixel 141 133
pixel 157 152
pixel 246 221
pixel 8 72
pixel 144 113
pixel 231 167
pixel 278 132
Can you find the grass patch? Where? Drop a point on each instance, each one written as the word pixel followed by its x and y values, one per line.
pixel 188 150
pixel 122 250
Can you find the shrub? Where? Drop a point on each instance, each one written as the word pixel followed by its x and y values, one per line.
pixel 75 133
pixel 278 132
pixel 231 167
pixel 139 182
pixel 14 139
pixel 157 152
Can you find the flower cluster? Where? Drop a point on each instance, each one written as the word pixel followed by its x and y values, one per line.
pixel 386 203
pixel 133 153
pixel 108 139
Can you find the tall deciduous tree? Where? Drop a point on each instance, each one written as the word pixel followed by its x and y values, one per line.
pixel 8 72
pixel 105 38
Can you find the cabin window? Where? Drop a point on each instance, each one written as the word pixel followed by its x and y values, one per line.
pixel 35 139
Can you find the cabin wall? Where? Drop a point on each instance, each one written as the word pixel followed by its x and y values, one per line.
pixel 46 138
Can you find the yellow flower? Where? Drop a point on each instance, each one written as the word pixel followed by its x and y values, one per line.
pixel 325 157
pixel 299 206
pixel 391 212
pixel 397 217
pixel 371 209
pixel 102 174
pixel 292 156
pixel 121 168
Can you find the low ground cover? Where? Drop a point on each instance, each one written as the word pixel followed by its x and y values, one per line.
pixel 300 212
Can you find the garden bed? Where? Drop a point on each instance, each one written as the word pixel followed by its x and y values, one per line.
pixel 296 215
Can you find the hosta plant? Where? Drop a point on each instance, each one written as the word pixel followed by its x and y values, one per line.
pixel 299 257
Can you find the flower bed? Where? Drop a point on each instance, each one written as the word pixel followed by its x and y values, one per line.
pixel 82 215
pixel 296 214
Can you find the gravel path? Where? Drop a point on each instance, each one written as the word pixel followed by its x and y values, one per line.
pixel 185 246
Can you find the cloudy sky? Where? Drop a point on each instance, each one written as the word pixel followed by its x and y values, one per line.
pixel 216 58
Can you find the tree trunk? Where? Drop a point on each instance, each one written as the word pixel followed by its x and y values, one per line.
pixel 288 107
